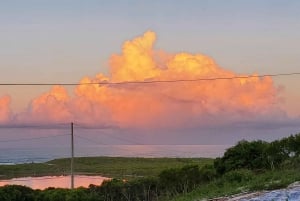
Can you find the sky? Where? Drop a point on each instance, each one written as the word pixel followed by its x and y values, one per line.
pixel 93 41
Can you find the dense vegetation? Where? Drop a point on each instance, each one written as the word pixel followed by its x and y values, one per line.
pixel 260 155
pixel 247 166
pixel 113 167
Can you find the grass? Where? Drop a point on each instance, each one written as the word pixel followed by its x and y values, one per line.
pixel 221 187
pixel 114 167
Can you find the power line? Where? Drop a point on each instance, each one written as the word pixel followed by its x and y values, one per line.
pixel 94 127
pixel 96 142
pixel 162 147
pixel 90 140
pixel 200 79
pixel 151 81
pixel 34 126
pixel 35 138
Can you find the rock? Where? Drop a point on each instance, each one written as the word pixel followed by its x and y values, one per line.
pixel 288 194
pixel 291 193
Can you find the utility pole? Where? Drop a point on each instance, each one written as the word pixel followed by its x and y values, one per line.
pixel 72 158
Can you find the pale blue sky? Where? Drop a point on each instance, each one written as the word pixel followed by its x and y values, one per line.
pixel 64 40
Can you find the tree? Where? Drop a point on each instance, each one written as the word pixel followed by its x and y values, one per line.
pixel 16 193
pixel 244 155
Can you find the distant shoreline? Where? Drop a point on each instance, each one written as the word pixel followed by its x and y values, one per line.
pixel 8 163
pixel 113 167
pixel 43 154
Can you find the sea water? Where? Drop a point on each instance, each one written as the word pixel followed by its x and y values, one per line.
pixel 17 155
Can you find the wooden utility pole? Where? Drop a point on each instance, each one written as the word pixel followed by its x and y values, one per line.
pixel 72 156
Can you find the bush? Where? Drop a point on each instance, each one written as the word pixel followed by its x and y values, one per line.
pixel 16 193
pixel 174 181
pixel 207 173
pixel 242 175
pixel 244 155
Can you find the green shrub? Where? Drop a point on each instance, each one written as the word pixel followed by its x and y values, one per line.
pixel 16 193
pixel 242 175
pixel 207 173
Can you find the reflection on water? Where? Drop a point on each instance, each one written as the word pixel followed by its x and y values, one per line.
pixel 55 181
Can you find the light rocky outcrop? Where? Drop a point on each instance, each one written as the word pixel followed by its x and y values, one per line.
pixel 291 193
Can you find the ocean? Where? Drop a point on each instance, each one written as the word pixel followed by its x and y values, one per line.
pixel 17 155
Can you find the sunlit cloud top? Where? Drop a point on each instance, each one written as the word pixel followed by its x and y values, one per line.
pixel 155 105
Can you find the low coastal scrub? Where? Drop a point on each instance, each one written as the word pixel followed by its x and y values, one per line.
pixel 113 167
pixel 245 167
pixel 252 166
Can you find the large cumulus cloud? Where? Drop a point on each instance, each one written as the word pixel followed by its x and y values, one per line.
pixel 158 105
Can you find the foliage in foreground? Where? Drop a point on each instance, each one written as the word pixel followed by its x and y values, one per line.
pixel 260 155
pixel 248 166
